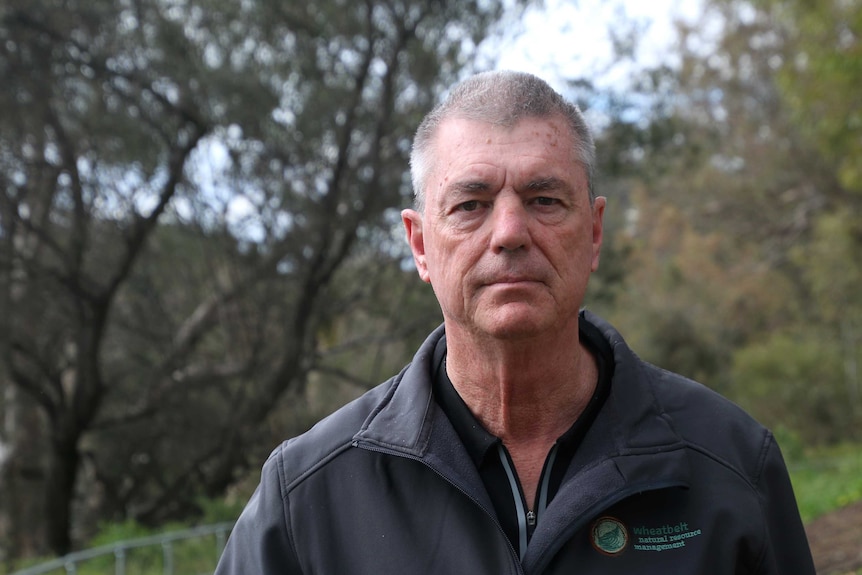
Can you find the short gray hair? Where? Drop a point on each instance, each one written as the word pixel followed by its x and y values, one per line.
pixel 501 98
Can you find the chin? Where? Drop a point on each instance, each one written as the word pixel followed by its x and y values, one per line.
pixel 515 327
pixel 525 321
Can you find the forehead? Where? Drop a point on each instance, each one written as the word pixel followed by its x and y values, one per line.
pixel 530 145
pixel 551 129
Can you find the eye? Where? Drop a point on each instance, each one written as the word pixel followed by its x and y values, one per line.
pixel 469 206
pixel 545 201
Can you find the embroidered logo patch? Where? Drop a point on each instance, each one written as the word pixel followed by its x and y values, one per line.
pixel 609 536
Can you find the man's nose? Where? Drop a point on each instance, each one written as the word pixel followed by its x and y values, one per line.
pixel 510 224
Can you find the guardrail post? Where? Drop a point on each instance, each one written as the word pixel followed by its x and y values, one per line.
pixel 168 553
pixel 120 561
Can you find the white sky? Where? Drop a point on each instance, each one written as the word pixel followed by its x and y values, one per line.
pixel 570 38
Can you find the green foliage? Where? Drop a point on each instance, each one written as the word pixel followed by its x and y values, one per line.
pixel 831 266
pixel 120 531
pixel 741 231
pixel 821 82
pixel 792 445
pixel 790 380
pixel 827 479
pixel 221 509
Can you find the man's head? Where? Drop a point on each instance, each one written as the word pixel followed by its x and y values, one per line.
pixel 507 232
pixel 500 98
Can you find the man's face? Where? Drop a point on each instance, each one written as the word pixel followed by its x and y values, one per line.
pixel 508 237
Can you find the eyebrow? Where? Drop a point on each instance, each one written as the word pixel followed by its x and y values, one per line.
pixel 549 183
pixel 468 186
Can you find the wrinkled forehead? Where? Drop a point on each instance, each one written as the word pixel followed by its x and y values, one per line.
pixel 458 139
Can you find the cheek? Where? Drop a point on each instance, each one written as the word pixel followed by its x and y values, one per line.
pixel 574 255
pixel 448 272
pixel 443 255
pixel 447 277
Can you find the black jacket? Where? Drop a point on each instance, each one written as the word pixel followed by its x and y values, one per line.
pixel 670 478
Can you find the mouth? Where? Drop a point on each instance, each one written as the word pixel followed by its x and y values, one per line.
pixel 514 276
pixel 511 280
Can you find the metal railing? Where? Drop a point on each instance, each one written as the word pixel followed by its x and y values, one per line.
pixel 70 563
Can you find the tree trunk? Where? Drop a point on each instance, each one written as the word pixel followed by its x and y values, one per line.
pixel 8 532
pixel 59 493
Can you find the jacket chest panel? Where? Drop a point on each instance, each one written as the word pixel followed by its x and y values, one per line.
pixel 378 514
pixel 666 531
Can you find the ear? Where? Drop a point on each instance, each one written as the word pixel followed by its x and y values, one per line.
pixel 413 227
pixel 598 229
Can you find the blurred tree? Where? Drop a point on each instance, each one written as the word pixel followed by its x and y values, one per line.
pixel 820 86
pixel 741 222
pixel 821 78
pixel 183 184
pixel 815 68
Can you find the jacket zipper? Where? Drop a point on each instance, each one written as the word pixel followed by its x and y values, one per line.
pixel 527 518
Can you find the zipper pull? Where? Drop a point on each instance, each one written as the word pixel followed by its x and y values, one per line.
pixel 531 518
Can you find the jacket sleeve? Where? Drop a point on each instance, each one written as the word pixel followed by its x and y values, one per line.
pixel 260 542
pixel 786 547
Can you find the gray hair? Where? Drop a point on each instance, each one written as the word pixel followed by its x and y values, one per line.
pixel 501 98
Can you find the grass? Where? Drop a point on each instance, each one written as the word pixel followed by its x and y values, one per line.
pixel 827 479
pixel 158 554
pixel 181 557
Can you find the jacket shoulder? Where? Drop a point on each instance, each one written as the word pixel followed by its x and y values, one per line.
pixel 300 456
pixel 698 416
pixel 712 424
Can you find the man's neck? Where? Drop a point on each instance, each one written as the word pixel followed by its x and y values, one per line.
pixel 525 391
pixel 528 393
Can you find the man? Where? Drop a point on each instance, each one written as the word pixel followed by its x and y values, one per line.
pixel 525 436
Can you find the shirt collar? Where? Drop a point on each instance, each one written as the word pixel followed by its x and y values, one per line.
pixel 479 442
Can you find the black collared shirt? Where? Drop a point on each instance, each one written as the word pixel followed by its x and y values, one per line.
pixel 492 459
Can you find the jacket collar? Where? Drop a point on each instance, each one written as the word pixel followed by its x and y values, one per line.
pixel 409 423
pixel 403 419
pixel 631 421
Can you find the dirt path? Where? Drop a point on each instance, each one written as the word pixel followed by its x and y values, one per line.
pixel 836 541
